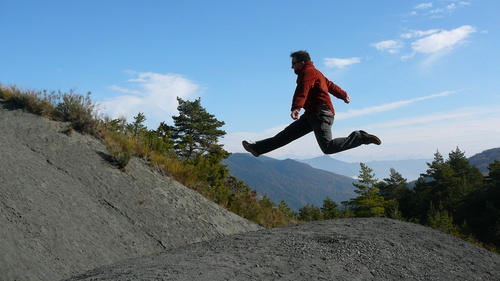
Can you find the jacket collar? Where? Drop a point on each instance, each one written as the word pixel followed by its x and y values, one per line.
pixel 307 64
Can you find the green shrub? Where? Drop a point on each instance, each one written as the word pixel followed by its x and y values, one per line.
pixel 37 102
pixel 79 110
pixel 70 107
pixel 119 157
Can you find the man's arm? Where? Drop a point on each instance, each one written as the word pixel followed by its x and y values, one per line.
pixel 305 81
pixel 337 92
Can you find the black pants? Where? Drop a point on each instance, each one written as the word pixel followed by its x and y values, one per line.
pixel 321 124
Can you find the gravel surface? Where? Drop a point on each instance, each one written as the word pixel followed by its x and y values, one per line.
pixel 343 249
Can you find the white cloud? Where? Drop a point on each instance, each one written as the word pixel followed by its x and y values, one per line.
pixel 418 33
pixel 391 46
pixel 340 63
pixel 389 106
pixel 444 40
pixel 423 6
pixel 448 9
pixel 153 94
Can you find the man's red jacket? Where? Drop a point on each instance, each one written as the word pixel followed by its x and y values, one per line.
pixel 313 89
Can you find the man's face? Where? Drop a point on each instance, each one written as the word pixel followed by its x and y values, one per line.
pixel 296 64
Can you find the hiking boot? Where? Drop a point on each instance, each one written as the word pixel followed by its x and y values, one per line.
pixel 367 138
pixel 250 147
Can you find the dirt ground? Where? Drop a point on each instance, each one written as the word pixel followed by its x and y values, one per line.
pixel 67 214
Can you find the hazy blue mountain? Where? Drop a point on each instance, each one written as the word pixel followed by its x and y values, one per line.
pixel 296 183
pixel 485 158
pixel 409 169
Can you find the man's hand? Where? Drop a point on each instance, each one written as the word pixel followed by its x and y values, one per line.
pixel 295 114
pixel 347 99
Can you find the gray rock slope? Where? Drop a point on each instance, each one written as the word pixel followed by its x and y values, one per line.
pixel 344 249
pixel 64 210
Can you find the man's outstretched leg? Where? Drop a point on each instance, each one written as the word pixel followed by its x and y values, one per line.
pixel 292 132
pixel 322 124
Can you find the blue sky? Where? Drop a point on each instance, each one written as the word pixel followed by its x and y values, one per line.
pixel 422 75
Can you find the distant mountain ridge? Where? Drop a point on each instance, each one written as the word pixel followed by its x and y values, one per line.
pixel 296 183
pixel 299 182
pixel 409 169
pixel 485 158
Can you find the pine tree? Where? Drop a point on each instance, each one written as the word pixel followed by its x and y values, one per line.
pixel 446 183
pixel 466 178
pixel 330 209
pixel 346 209
pixel 442 220
pixel 160 140
pixel 196 131
pixel 481 209
pixel 432 188
pixel 368 203
pixel 137 126
pixel 395 189
pixel 310 213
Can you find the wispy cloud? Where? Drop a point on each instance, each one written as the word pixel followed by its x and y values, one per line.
pixel 423 6
pixel 391 46
pixel 447 9
pixel 153 94
pixel 340 63
pixel 432 41
pixel 443 40
pixel 438 11
pixel 418 33
pixel 428 119
pixel 389 106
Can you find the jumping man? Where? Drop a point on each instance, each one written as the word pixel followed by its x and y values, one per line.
pixel 313 95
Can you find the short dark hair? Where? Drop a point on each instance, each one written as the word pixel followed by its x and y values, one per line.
pixel 301 56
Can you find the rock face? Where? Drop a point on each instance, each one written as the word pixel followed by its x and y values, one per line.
pixel 343 249
pixel 65 210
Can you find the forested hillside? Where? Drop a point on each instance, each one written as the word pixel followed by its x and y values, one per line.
pixel 296 183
